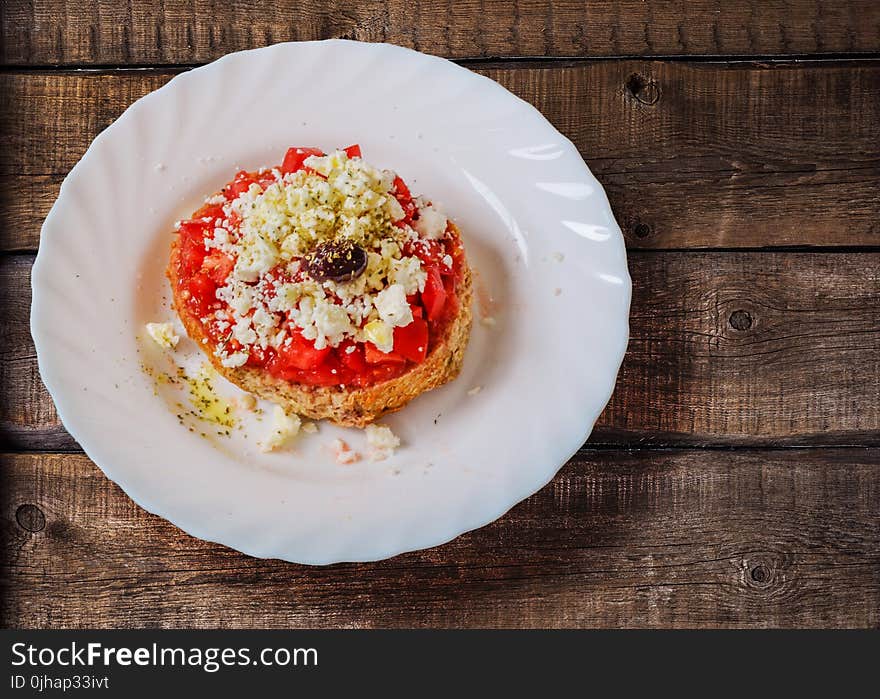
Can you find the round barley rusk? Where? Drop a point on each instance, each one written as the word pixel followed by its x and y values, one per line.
pixel 350 407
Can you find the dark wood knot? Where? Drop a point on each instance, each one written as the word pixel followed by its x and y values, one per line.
pixel 760 573
pixel 740 320
pixel 643 90
pixel 30 517
pixel 641 230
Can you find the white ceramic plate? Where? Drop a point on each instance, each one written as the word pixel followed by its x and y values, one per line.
pixel 537 228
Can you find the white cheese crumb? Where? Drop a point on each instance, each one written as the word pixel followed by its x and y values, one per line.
pixel 234 360
pixel 431 223
pixel 284 427
pixel 393 307
pixel 163 334
pixel 382 442
pixel 475 390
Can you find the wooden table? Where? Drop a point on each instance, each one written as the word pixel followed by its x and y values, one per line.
pixel 734 479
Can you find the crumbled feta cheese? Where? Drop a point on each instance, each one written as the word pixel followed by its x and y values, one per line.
pixel 393 307
pixel 163 334
pixel 408 273
pixel 256 257
pixel 234 360
pixel 382 441
pixel 431 223
pixel 284 427
pixel 332 323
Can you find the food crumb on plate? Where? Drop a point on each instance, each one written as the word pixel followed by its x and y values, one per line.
pixel 488 321
pixel 248 402
pixel 163 334
pixel 475 390
pixel 382 442
pixel 557 291
pixel 558 256
pixel 309 427
pixel 343 453
pixel 284 427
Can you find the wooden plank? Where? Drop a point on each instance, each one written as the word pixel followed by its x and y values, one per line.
pixel 725 348
pixel 650 538
pixel 725 156
pixel 39 32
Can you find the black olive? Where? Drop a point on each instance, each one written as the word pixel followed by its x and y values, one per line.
pixel 336 261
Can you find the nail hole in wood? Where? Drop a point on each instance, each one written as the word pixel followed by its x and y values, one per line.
pixel 30 517
pixel 644 90
pixel 740 320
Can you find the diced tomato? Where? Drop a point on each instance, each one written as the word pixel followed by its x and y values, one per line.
pixel 301 353
pixel 202 289
pixel 328 373
pixel 258 356
pixel 322 376
pixel 411 341
pixel 192 246
pixel 194 228
pixel 401 191
pixel 295 157
pixel 404 198
pixel 374 355
pixel 217 266
pixel 242 183
pixel 353 151
pixel 430 252
pixel 417 310
pixel 354 360
pixel 434 295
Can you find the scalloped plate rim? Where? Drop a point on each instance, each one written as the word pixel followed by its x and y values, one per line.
pixel 90 446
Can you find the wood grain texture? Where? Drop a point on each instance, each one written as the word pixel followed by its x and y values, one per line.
pixel 725 348
pixel 650 538
pixel 692 156
pixel 39 32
